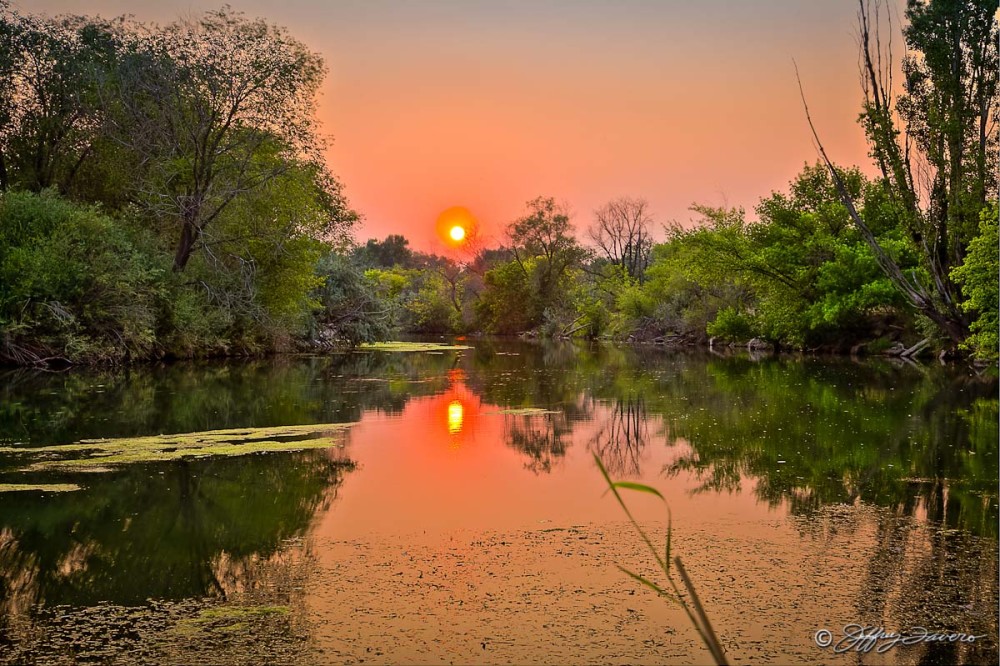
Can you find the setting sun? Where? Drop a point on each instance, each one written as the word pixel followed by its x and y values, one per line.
pixel 457 226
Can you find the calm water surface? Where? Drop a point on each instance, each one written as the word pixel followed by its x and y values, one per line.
pixel 897 459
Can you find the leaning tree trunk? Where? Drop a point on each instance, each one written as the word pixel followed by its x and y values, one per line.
pixel 185 246
pixel 947 318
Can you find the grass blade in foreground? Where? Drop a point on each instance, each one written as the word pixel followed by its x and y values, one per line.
pixel 699 618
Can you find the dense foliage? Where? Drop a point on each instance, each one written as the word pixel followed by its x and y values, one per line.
pixel 980 275
pixel 935 143
pixel 800 275
pixel 163 193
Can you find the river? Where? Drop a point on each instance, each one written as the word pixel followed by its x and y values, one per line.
pixel 461 518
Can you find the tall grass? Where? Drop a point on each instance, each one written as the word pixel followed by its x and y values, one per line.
pixel 692 605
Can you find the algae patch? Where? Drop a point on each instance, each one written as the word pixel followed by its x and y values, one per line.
pixel 40 487
pixel 410 347
pixel 524 411
pixel 227 619
pixel 100 455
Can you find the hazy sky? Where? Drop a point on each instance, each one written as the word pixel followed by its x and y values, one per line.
pixel 487 104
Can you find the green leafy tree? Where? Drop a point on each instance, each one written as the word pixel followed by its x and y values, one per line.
pixel 935 143
pixel 687 291
pixel 806 275
pixel 505 303
pixel 545 252
pixel 350 306
pixel 256 272
pixel 393 251
pixel 216 107
pixel 74 284
pixel 979 276
pixel 52 120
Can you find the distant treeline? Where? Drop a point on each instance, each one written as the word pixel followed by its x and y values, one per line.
pixel 801 276
pixel 163 194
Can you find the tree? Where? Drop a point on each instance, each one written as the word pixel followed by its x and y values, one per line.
pixel 393 251
pixel 935 144
pixel 800 275
pixel 198 136
pixel 621 231
pixel 74 284
pixel 50 115
pixel 216 107
pixel 978 276
pixel 544 251
pixel 506 303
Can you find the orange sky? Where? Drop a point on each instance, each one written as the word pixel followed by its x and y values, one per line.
pixel 487 104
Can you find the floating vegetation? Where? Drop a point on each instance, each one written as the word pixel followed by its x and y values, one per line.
pixel 411 347
pixel 185 631
pixel 525 411
pixel 39 487
pixel 100 455
pixel 225 619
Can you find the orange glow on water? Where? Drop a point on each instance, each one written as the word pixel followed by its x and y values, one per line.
pixel 456 413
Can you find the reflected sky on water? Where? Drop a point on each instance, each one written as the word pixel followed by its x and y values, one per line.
pixel 498 437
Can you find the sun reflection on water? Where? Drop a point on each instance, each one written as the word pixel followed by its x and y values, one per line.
pixel 455 415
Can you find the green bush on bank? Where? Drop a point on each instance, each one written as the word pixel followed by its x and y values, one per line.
pixel 73 283
pixel 80 285
pixel 979 276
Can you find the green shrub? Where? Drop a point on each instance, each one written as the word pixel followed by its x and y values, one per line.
pixel 731 325
pixel 978 276
pixel 73 283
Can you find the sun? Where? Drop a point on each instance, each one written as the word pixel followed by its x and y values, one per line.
pixel 457 227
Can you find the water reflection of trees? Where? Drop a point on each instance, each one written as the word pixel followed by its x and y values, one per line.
pixel 542 438
pixel 546 376
pixel 911 573
pixel 622 436
pixel 810 436
pixel 170 531
pixel 807 432
pixel 58 408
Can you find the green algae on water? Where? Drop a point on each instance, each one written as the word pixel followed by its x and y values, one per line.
pixel 227 618
pixel 411 347
pixel 39 487
pixel 100 455
pixel 524 411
